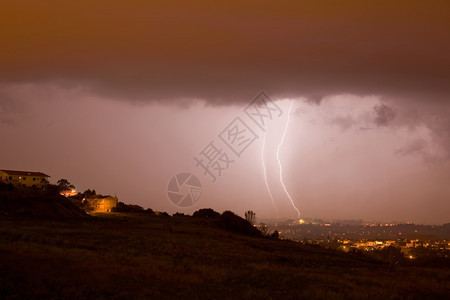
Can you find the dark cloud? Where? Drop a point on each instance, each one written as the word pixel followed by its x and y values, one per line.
pixel 384 115
pixel 227 53
pixel 344 122
pixel 432 119
pixel 315 99
pixel 416 147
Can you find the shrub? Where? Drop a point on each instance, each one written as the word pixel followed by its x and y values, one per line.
pixel 128 208
pixel 53 189
pixel 250 216
pixel 389 254
pixel 233 222
pixel 206 213
pixel 178 214
pixel 6 186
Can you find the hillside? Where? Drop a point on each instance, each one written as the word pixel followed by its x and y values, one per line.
pixel 36 203
pixel 146 256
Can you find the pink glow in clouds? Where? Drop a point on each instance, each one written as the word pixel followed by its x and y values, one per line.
pixel 338 162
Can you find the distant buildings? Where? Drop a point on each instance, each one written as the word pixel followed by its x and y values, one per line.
pixel 24 179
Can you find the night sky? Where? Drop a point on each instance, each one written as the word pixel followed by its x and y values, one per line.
pixel 121 96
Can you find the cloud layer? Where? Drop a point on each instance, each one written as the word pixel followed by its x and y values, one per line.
pixel 166 50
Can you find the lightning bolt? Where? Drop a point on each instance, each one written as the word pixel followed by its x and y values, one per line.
pixel 265 174
pixel 279 162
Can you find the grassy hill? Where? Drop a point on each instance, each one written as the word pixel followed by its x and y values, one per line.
pixel 33 203
pixel 139 256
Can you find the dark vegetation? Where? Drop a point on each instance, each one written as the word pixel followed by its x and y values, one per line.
pixel 38 204
pixel 64 184
pixel 131 208
pixel 233 222
pixel 209 256
pixel 422 256
pixel 6 186
pixel 206 213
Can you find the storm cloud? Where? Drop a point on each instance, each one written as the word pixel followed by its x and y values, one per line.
pixel 169 50
pixel 385 114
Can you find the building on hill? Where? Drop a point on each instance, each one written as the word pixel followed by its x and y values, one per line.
pixel 24 179
pixel 102 203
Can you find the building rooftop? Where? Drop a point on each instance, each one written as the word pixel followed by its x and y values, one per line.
pixel 24 173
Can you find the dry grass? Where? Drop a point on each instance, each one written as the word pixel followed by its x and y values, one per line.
pixel 141 256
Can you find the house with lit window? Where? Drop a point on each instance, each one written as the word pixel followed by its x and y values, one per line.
pixel 24 179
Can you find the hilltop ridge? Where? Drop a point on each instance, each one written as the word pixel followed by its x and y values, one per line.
pixel 37 203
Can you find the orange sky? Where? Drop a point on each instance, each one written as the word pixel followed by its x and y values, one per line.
pixel 170 49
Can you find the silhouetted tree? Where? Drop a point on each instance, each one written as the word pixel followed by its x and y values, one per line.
pixel 178 214
pixel 89 193
pixel 250 216
pixel 64 184
pixel 128 208
pixel 206 213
